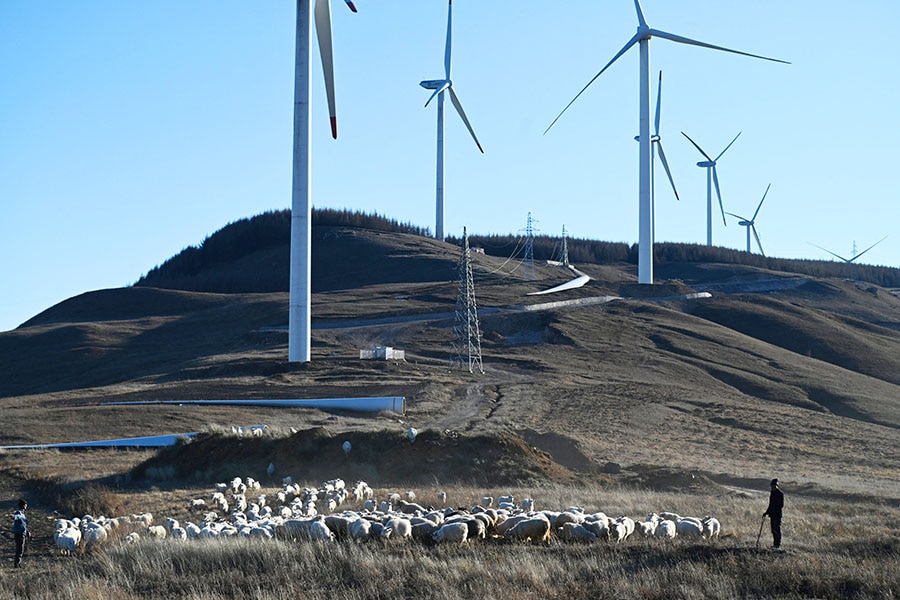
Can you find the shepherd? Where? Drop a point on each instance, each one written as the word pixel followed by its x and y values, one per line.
pixel 20 531
pixel 774 511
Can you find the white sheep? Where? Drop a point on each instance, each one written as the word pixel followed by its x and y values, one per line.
pixel 157 531
pixel 451 533
pixel 571 532
pixel 711 527
pixel 534 529
pixel 442 497
pixel 689 528
pixel 397 529
pixel 132 538
pixel 411 434
pixel 67 538
pixel 665 529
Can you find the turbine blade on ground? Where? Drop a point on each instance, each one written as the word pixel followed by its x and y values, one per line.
pixel 756 235
pixel 323 33
pixel 462 114
pixel 624 49
pixel 697 147
pixel 665 164
pixel 728 146
pixel 719 194
pixel 447 47
pixel 443 87
pixel 760 203
pixel 683 40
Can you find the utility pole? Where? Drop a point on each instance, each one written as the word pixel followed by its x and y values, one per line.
pixel 467 334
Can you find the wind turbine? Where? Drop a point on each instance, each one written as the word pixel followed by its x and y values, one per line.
pixel 645 217
pixel 750 224
pixel 855 256
pixel 301 207
pixel 440 86
pixel 656 141
pixel 711 178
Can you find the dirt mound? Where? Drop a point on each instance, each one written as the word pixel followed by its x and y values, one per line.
pixel 667 479
pixel 380 458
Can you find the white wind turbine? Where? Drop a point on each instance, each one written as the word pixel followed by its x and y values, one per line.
pixel 301 207
pixel 440 86
pixel 750 224
pixel 855 256
pixel 711 178
pixel 642 37
pixel 656 141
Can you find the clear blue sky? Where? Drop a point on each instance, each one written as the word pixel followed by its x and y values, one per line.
pixel 131 130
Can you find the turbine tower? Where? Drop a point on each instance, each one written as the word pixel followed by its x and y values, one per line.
pixel 301 207
pixel 711 178
pixel 750 224
pixel 642 38
pixel 440 86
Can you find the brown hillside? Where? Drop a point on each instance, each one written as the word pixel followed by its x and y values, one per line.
pixel 774 373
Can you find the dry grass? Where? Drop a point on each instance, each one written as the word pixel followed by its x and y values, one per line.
pixel 831 550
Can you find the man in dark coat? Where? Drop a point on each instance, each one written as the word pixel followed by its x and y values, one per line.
pixel 776 506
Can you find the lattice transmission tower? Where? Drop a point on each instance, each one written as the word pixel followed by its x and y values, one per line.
pixel 529 249
pixel 466 332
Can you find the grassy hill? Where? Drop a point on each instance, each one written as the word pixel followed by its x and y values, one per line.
pixel 778 371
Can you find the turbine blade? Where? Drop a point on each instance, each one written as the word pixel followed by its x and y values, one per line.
pixel 756 235
pixel 658 102
pixel 683 40
pixel 731 214
pixel 323 33
pixel 719 194
pixel 443 87
pixel 640 13
pixel 832 253
pixel 760 203
pixel 697 147
pixel 447 47
pixel 665 164
pixel 624 49
pixel 351 5
pixel 869 248
pixel 462 114
pixel 729 145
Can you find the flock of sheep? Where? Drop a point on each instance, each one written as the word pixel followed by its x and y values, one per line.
pixel 303 513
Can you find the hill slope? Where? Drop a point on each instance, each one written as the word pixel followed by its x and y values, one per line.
pixel 775 372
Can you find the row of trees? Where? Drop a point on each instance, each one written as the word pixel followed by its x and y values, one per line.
pixel 252 255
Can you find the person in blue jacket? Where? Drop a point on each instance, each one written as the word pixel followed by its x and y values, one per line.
pixel 20 531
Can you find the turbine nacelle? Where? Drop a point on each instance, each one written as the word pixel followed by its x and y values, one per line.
pixel 745 223
pixel 435 84
pixel 706 163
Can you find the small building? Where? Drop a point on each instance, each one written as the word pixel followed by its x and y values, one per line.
pixel 382 353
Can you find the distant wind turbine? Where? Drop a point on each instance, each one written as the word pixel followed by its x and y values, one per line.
pixel 301 207
pixel 750 224
pixel 855 256
pixel 642 37
pixel 440 86
pixel 656 141
pixel 711 178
